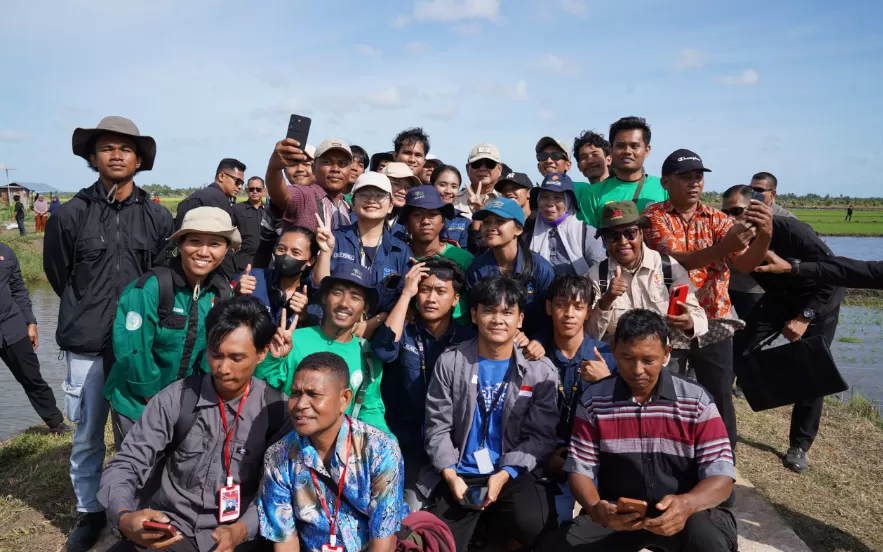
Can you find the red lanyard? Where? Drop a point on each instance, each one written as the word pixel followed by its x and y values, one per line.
pixel 333 521
pixel 229 433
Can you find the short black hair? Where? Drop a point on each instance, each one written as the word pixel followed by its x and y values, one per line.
pixel 740 189
pixel 256 178
pixel 244 311
pixel 498 290
pixel 379 158
pixel 229 163
pixel 630 123
pixel 330 363
pixel 16 197
pixel 766 176
pixel 307 233
pixel 572 288
pixel 437 172
pixel 360 155
pixel 441 263
pixel 638 324
pixel 590 138
pixel 411 136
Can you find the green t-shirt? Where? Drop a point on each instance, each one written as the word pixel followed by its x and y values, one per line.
pixel 596 196
pixel 280 372
pixel 464 259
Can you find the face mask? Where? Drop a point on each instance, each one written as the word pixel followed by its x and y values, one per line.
pixel 288 266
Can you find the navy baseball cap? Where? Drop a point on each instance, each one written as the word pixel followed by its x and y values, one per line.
pixel 555 182
pixel 519 179
pixel 355 274
pixel 681 161
pixel 426 197
pixel 503 208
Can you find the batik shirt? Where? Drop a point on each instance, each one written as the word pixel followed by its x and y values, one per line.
pixel 371 506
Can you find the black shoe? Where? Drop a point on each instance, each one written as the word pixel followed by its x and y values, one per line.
pixel 60 428
pixel 795 460
pixel 86 533
pixel 738 393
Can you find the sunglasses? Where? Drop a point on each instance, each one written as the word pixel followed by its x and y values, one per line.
pixel 487 163
pixel 238 181
pixel 250 190
pixel 760 190
pixel 734 211
pixel 445 274
pixel 614 236
pixel 554 155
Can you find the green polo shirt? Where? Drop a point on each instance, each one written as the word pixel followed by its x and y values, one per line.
pixel 592 199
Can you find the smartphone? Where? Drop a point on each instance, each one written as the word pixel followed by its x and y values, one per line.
pixel 758 196
pixel 678 295
pixel 393 281
pixel 166 528
pixel 299 129
pixel 630 505
pixel 474 498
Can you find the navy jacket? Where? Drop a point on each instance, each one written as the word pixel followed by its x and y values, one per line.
pixel 267 279
pixel 457 229
pixel 15 304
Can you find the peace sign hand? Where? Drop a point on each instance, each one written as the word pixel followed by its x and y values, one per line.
pixel 474 199
pixel 324 236
pixel 281 345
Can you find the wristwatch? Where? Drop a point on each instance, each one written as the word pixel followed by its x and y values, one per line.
pixel 795 266
pixel 809 314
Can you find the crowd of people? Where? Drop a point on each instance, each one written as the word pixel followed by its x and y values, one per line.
pixel 368 336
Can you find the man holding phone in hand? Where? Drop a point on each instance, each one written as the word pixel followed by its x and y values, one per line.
pixel 673 485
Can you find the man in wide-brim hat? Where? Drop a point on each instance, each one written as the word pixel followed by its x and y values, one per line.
pixel 107 236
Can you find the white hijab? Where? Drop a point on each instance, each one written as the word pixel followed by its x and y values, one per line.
pixel 571 231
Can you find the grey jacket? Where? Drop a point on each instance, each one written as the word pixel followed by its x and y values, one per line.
pixel 187 487
pixel 530 412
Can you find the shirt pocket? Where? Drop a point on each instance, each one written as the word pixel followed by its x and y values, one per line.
pixel 186 466
pixel 246 461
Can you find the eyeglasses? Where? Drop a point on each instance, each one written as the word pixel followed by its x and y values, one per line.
pixel 367 195
pixel 238 181
pixel 488 163
pixel 614 236
pixel 256 190
pixel 760 190
pixel 734 211
pixel 555 155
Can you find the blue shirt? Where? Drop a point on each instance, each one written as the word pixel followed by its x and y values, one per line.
pixel 457 229
pixel 392 258
pixel 267 280
pixel 491 375
pixel 536 321
pixel 405 380
pixel 371 505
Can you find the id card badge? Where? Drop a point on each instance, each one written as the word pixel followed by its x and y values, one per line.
pixel 228 503
pixel 483 459
pixel 332 546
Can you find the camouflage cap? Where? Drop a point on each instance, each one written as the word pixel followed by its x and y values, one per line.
pixel 621 213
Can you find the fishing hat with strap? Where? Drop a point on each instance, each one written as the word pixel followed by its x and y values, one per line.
pixel 83 139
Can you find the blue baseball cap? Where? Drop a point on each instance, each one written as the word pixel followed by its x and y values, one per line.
pixel 352 273
pixel 426 197
pixel 555 182
pixel 503 208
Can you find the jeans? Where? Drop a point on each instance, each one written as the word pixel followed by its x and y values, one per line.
pixel 85 406
pixel 21 227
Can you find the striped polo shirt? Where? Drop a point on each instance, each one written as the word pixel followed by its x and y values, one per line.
pixel 646 451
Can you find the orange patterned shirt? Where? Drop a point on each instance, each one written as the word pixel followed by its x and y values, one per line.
pixel 669 232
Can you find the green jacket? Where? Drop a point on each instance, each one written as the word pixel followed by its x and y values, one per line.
pixel 148 355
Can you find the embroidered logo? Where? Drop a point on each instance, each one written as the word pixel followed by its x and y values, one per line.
pixel 356 379
pixel 133 321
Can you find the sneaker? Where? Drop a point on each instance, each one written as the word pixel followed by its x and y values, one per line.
pixel 60 428
pixel 795 460
pixel 86 532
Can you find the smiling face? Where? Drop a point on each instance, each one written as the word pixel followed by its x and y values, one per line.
pixel 317 401
pixel 568 315
pixel 592 161
pixel 201 253
pixel 552 205
pixel 372 203
pixel 624 244
pixel 344 306
pixel 513 191
pixel 551 164
pixel 685 189
pixel 639 363
pixel 436 298
pixel 233 364
pixel 629 150
pixel 412 154
pixel 498 231
pixel 497 325
pixel 332 171
pixel 448 185
pixel 300 174
pixel 400 187
pixel 116 157
pixel 424 225
pixel 484 173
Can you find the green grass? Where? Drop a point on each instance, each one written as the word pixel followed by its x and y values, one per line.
pixel 830 222
pixel 850 340
pixel 29 251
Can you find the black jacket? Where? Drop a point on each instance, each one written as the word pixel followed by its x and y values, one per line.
pixel 15 305
pixel 843 271
pixel 92 250
pixel 254 250
pixel 210 196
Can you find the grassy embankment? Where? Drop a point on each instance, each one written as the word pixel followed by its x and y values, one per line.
pixel 830 222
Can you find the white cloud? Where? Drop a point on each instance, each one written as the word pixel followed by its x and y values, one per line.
pixel 448 110
pixel 690 58
pixel 579 8
pixel 388 98
pixel 9 135
pixel 749 77
pixel 546 115
pixel 368 51
pixel 456 10
pixel 467 29
pixel 518 92
pixel 418 47
pixel 400 21
pixel 553 64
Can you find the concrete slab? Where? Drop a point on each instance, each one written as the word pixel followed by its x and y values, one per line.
pixel 761 529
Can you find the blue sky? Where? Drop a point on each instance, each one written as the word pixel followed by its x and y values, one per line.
pixel 790 87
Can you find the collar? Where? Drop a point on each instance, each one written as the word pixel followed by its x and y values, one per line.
pixel 98 193
pixel 469 350
pixel 665 387
pixel 386 243
pixel 215 278
pixel 209 397
pixel 585 350
pixel 249 204
pixel 701 209
pixel 302 449
pixel 422 331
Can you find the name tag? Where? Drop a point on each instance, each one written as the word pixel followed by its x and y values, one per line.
pixel 483 459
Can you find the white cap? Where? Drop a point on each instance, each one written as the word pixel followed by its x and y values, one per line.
pixel 484 151
pixel 403 171
pixel 333 144
pixel 372 179
pixel 550 141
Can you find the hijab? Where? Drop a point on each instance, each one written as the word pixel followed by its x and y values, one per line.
pixel 571 231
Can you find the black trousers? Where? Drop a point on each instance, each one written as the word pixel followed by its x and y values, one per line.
pixel 707 531
pixel 25 367
pixel 714 371
pixel 524 511
pixel 766 319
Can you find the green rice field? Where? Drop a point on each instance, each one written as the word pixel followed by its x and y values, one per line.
pixel 830 222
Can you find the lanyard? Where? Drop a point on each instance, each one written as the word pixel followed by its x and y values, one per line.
pixel 422 356
pixel 362 256
pixel 332 539
pixel 229 433
pixel 486 414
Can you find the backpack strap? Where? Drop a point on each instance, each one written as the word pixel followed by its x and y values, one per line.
pixel 603 268
pixel 166 290
pixel 368 362
pixel 666 271
pixel 187 415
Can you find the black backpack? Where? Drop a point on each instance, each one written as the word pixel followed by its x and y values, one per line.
pixel 604 270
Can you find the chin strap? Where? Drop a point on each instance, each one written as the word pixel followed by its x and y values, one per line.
pixel 112 194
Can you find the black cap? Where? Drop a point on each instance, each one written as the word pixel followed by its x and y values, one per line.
pixel 519 179
pixel 681 161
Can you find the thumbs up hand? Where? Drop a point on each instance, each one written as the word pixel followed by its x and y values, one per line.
pixel 247 283
pixel 616 287
pixel 594 369
pixel 298 301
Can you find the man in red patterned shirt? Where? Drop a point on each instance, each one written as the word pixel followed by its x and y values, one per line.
pixel 703 240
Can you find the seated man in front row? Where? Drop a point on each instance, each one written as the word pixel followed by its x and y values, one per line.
pixel 212 431
pixel 682 465
pixel 335 481
pixel 490 421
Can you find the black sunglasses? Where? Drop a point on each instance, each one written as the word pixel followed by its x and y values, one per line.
pixel 238 181
pixel 614 236
pixel 255 189
pixel 489 163
pixel 734 211
pixel 555 155
pixel 760 190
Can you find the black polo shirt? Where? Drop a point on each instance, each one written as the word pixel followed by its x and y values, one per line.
pixel 254 250
pixel 15 304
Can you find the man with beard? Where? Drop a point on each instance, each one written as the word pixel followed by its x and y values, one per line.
pixel 411 147
pixel 97 243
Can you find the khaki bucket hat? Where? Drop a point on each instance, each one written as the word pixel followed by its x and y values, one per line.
pixel 209 220
pixel 117 125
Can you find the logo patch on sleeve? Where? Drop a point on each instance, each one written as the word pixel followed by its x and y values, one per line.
pixel 133 321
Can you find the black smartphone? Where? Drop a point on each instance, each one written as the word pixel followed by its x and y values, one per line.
pixel 758 196
pixel 474 497
pixel 299 129
pixel 393 281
